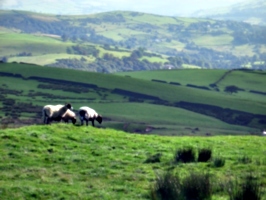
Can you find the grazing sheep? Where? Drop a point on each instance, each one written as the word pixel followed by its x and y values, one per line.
pixel 69 115
pixel 88 114
pixel 54 112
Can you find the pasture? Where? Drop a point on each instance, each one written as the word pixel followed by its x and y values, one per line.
pixel 142 102
pixel 62 161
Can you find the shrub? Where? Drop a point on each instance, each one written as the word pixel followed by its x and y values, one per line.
pixel 196 186
pixel 204 155
pixel 250 188
pixel 218 162
pixel 167 187
pixel 185 155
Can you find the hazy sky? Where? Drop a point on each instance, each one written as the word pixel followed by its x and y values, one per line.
pixel 162 7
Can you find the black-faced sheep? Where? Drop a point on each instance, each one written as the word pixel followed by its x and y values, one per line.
pixel 88 114
pixel 54 112
pixel 69 115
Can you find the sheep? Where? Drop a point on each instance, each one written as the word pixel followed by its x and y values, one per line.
pixel 69 115
pixel 88 114
pixel 54 112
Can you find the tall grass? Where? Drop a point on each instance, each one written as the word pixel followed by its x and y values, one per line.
pixel 195 186
pixel 249 188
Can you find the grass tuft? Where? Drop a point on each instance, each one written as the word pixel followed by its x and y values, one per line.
pixel 156 158
pixel 195 186
pixel 185 155
pixel 204 155
pixel 218 162
pixel 249 188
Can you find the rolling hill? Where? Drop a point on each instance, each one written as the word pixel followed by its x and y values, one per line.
pixel 147 104
pixel 129 41
pixel 63 161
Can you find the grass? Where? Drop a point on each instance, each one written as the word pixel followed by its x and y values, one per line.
pixel 248 80
pixel 47 58
pixel 13 43
pixel 120 110
pixel 66 161
pixel 184 77
pixel 212 41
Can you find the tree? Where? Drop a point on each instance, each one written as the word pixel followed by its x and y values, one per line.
pixel 4 59
pixel 231 89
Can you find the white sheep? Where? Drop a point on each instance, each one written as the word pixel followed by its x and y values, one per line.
pixel 88 114
pixel 54 112
pixel 69 115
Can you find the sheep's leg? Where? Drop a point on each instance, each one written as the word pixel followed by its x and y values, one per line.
pixel 92 121
pixel 48 120
pixel 45 118
pixel 87 122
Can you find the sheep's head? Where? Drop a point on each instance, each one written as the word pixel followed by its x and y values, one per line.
pixel 74 120
pixel 68 105
pixel 99 119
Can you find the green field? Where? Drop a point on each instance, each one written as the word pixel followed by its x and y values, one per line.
pixel 63 161
pixel 133 100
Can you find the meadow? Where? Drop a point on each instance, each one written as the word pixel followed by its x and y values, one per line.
pixel 139 102
pixel 62 161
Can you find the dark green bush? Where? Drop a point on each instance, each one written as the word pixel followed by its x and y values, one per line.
pixel 185 155
pixel 204 155
pixel 250 188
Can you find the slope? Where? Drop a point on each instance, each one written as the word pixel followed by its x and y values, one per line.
pixel 124 100
pixel 63 161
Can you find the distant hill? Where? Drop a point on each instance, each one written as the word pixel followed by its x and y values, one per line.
pixel 129 41
pixel 253 12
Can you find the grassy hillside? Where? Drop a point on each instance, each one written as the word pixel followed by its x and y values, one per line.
pixel 63 161
pixel 135 104
pixel 246 79
pixel 129 41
